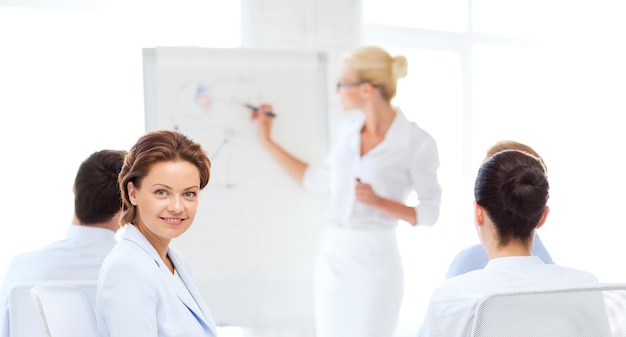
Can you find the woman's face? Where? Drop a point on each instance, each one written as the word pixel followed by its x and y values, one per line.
pixel 350 89
pixel 167 200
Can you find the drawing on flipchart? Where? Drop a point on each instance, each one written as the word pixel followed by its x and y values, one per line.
pixel 198 98
pixel 219 146
pixel 250 212
pixel 220 104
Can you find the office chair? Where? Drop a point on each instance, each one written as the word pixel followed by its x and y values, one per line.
pixel 65 310
pixel 593 310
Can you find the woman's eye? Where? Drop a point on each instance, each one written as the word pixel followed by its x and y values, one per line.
pixel 160 192
pixel 190 194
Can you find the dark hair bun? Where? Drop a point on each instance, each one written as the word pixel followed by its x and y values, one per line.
pixel 524 191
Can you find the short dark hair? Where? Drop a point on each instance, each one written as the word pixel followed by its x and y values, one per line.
pixel 96 192
pixel 155 147
pixel 513 188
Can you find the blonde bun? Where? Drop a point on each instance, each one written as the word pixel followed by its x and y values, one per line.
pixel 399 67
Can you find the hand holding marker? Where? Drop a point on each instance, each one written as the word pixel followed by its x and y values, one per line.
pixel 254 108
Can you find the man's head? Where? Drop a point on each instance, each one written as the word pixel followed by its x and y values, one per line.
pixel 96 192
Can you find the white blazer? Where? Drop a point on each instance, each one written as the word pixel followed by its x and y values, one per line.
pixel 138 296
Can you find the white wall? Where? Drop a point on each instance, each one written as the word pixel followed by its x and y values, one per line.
pixel 71 83
pixel 332 26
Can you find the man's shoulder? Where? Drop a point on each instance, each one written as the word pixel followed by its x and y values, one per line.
pixel 34 256
pixel 469 259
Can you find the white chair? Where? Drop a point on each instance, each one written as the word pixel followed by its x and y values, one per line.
pixel 65 310
pixel 23 320
pixel 23 317
pixel 594 310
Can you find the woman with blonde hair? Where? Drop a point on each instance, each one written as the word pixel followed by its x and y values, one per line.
pixel 379 158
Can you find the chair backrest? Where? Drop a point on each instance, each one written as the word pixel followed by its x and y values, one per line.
pixel 24 320
pixel 65 310
pixel 594 310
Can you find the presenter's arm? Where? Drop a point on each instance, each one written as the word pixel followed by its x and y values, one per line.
pixel 423 172
pixel 294 166
pixel 365 194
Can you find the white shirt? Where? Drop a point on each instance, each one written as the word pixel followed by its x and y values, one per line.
pixel 77 257
pixel 452 304
pixel 406 160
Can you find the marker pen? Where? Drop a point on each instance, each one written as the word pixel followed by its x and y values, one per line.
pixel 252 107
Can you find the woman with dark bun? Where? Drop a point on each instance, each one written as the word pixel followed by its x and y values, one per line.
pixel 475 257
pixel 511 194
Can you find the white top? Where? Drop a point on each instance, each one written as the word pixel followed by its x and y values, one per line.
pixel 452 304
pixel 406 160
pixel 77 257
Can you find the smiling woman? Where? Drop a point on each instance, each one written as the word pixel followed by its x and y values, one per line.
pixel 166 203
pixel 145 286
